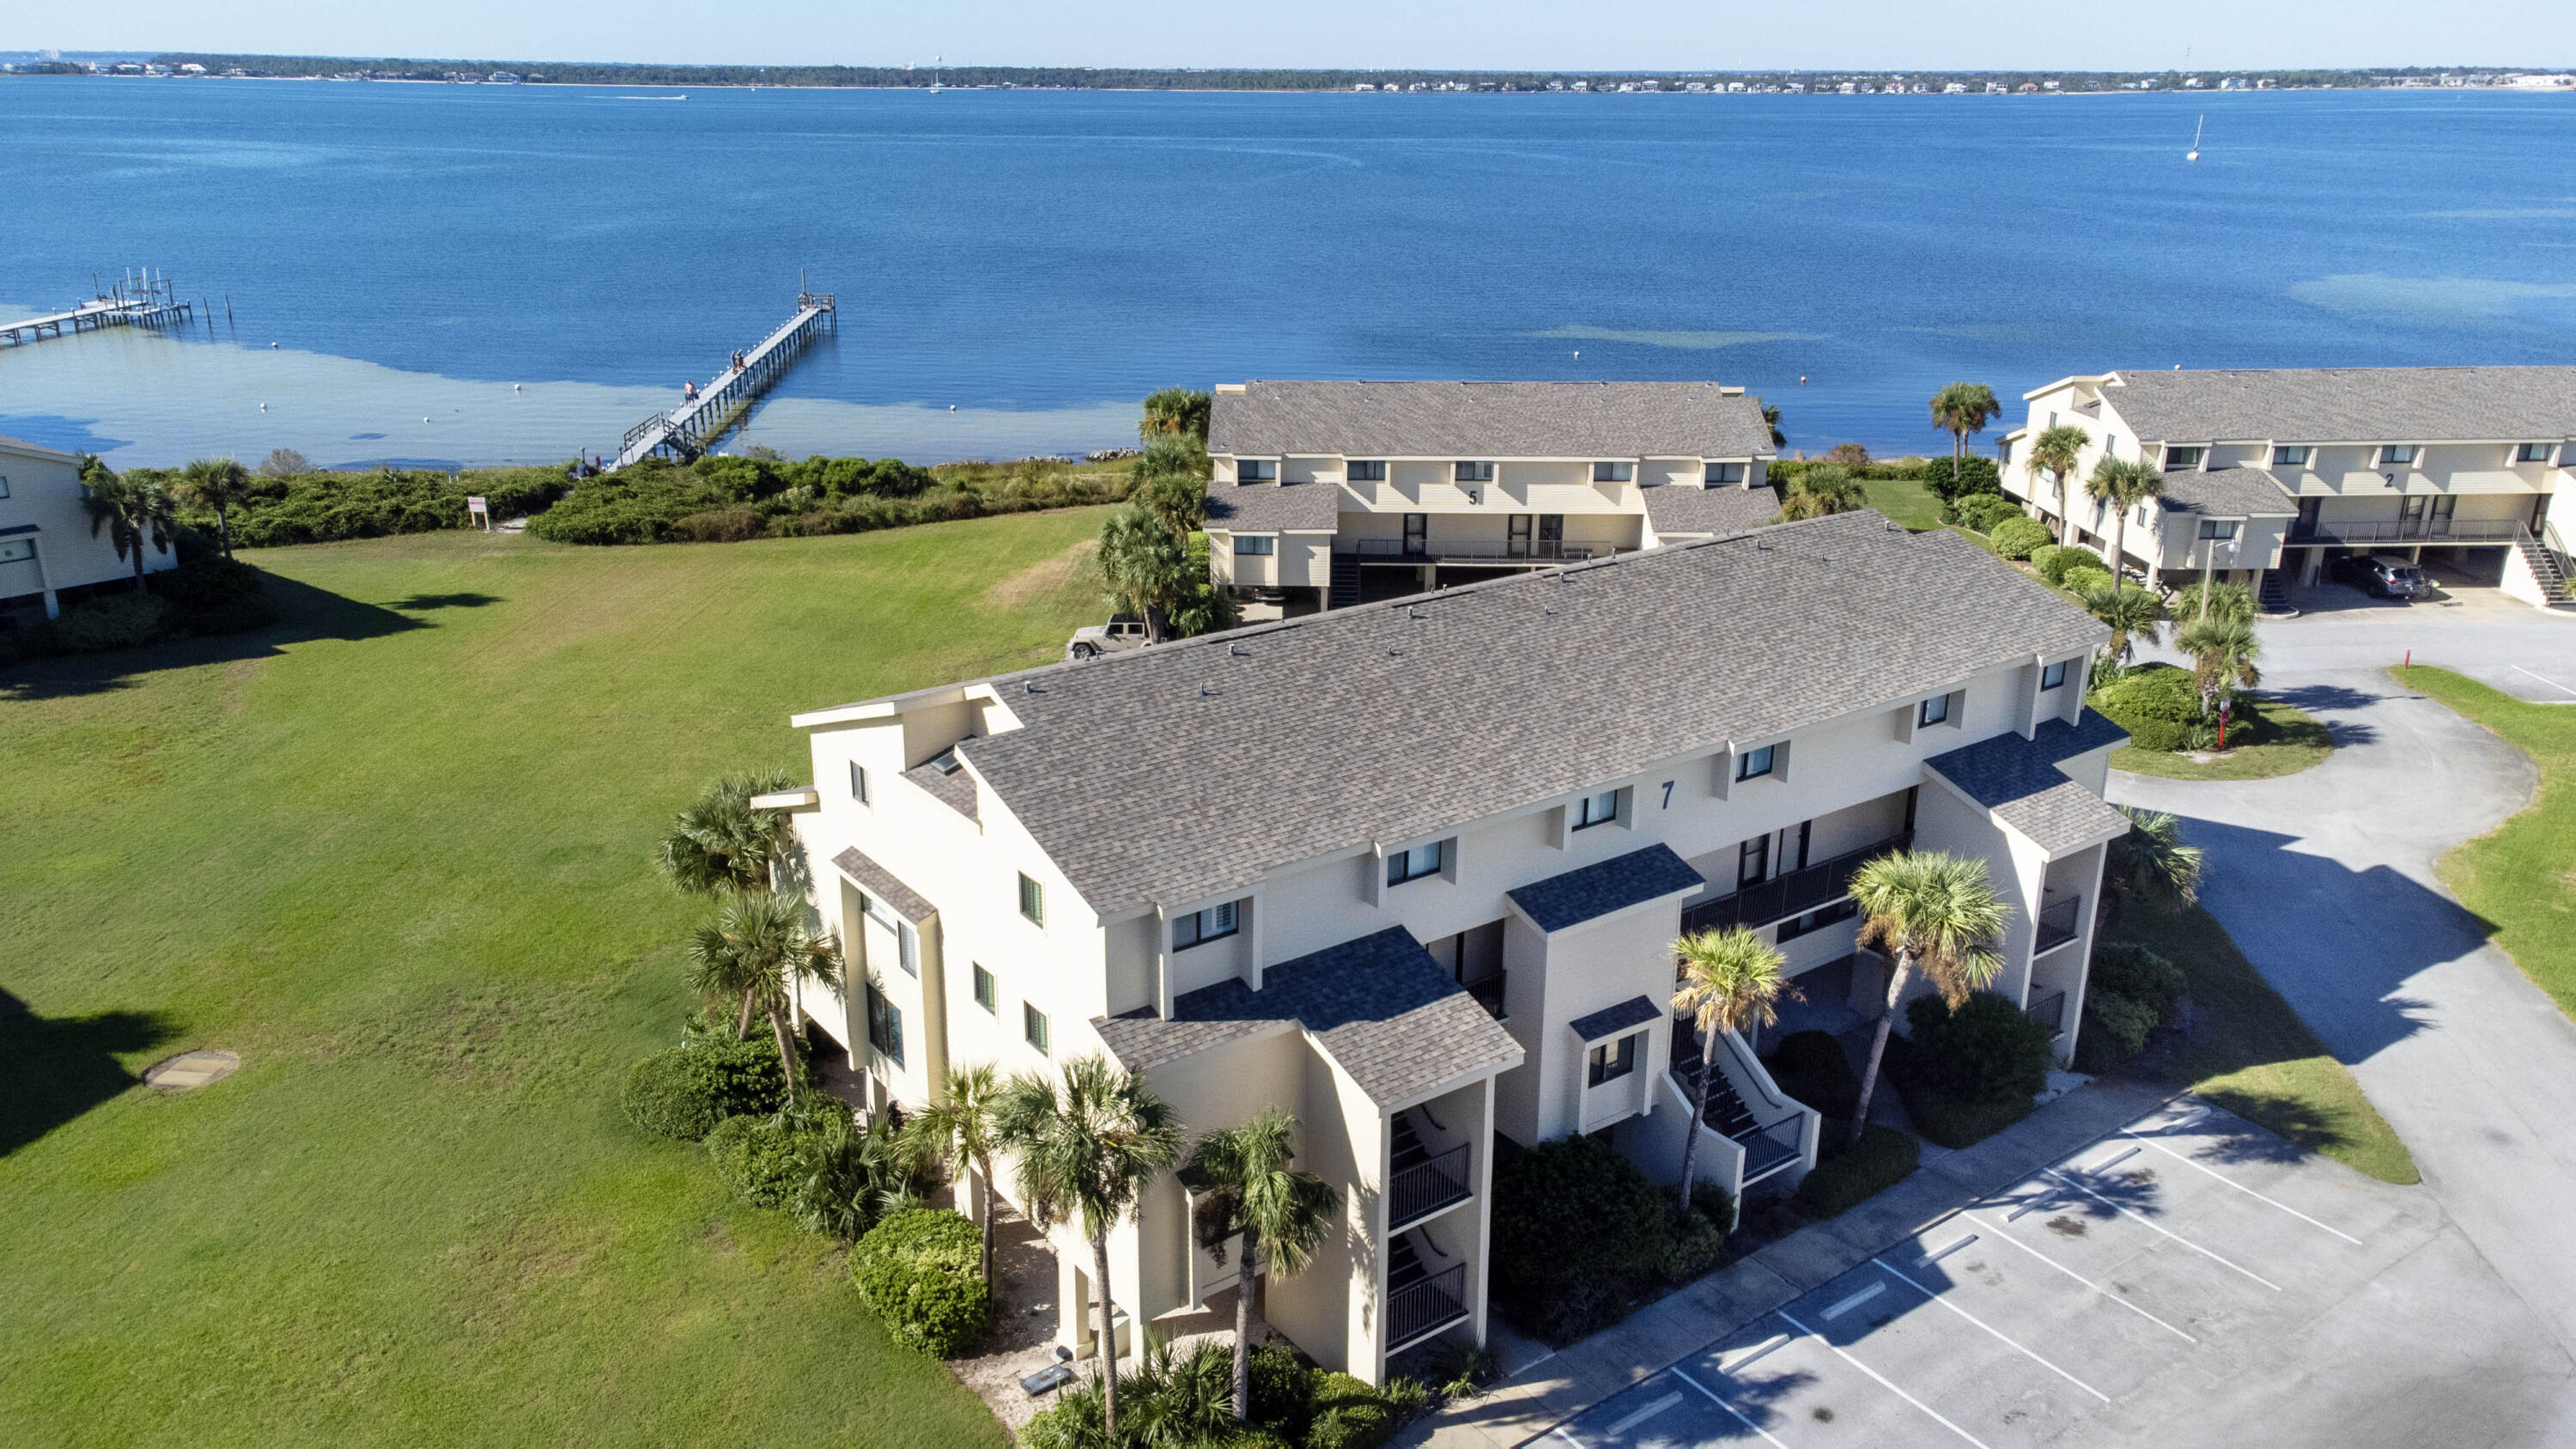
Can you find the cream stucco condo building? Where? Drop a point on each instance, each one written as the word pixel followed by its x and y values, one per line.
pixel 1326 493
pixel 1413 870
pixel 47 550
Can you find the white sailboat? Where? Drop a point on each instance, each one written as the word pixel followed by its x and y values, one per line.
pixel 2194 153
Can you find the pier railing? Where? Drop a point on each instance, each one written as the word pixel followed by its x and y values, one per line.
pixel 694 426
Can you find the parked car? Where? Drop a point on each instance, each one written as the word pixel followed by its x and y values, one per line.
pixel 1123 631
pixel 2383 576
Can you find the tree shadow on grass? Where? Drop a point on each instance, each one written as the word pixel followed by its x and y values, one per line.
pixel 305 613
pixel 53 1069
pixel 421 603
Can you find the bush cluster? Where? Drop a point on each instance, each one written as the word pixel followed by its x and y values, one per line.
pixel 322 507
pixel 1856 1173
pixel 686 1091
pixel 1580 1237
pixel 1811 1066
pixel 1969 1074
pixel 2018 537
pixel 2160 708
pixel 759 1158
pixel 1984 512
pixel 202 596
pixel 728 499
pixel 2131 993
pixel 921 1271
pixel 1188 1400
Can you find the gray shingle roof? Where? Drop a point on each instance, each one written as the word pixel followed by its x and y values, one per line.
pixel 954 789
pixel 2019 780
pixel 1167 774
pixel 1593 891
pixel 2228 493
pixel 880 882
pixel 1489 420
pixel 1681 508
pixel 1274 507
pixel 1612 1020
pixel 2349 404
pixel 1378 1005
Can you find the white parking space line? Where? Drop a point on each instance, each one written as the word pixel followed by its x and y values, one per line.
pixel 2545 679
pixel 2096 1287
pixel 1730 1408
pixel 1999 1334
pixel 2157 1227
pixel 1928 1410
pixel 1568 1436
pixel 1642 1415
pixel 1854 1301
pixel 2187 1161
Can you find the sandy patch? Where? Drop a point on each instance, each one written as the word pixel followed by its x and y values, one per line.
pixel 1045 577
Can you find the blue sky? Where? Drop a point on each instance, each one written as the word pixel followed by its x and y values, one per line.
pixel 1520 34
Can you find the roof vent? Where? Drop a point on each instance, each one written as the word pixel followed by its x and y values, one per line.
pixel 945 762
pixel 1235 651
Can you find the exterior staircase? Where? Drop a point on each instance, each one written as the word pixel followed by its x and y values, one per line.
pixel 2274 596
pixel 2544 567
pixel 1727 1115
pixel 1346 580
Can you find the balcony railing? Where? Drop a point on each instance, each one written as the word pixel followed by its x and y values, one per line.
pixel 2058 925
pixel 1427 1187
pixel 1488 991
pixel 2411 530
pixel 2049 1011
pixel 1792 894
pixel 1394 549
pixel 1425 1306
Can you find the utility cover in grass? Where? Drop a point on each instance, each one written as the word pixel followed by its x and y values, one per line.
pixel 190 1070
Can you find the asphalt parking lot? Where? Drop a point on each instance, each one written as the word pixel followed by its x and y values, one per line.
pixel 2190 1279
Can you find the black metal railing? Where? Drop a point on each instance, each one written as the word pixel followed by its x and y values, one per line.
pixel 1425 1306
pixel 2049 1011
pixel 1426 1187
pixel 1469 553
pixel 1792 894
pixel 1488 992
pixel 2394 530
pixel 2058 924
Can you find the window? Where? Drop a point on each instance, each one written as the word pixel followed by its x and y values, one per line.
pixel 2053 676
pixel 2218 528
pixel 1723 474
pixel 1475 472
pixel 1200 927
pixel 1598 809
pixel 2180 458
pixel 1033 1026
pixel 2396 453
pixel 1613 1060
pixel 858 782
pixel 1752 861
pixel 1032 900
pixel 16 550
pixel 1613 472
pixel 4 485
pixel 907 946
pixel 885 1027
pixel 2522 453
pixel 1256 470
pixel 945 762
pixel 987 991
pixel 1935 710
pixel 2290 456
pixel 1414 864
pixel 1754 764
pixel 1368 471
pixel 1248 545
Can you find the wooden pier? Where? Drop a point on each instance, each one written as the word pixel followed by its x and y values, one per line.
pixel 686 431
pixel 144 300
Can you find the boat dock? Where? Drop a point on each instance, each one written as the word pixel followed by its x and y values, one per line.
pixel 687 430
pixel 136 301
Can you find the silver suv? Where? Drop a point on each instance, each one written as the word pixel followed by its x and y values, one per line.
pixel 1123 631
pixel 2386 576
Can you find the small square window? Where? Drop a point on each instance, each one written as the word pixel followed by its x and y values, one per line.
pixel 1369 470
pixel 2177 459
pixel 2397 453
pixel 1200 927
pixel 1598 809
pixel 1033 1026
pixel 907 948
pixel 17 550
pixel 2293 455
pixel 1613 1060
pixel 1248 545
pixel 858 782
pixel 1613 472
pixel 2218 528
pixel 1256 470
pixel 1932 711
pixel 1753 764
pixel 987 991
pixel 1032 900
pixel 2053 676
pixel 1414 864
pixel 1475 472
pixel 2522 453
pixel 1723 475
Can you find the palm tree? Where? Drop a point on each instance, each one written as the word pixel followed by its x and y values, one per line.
pixel 1771 420
pixel 1253 1191
pixel 1933 913
pixel 1961 409
pixel 133 509
pixel 1147 565
pixel 218 484
pixel 757 951
pixel 2054 452
pixel 2222 657
pixel 1729 978
pixel 2121 484
pixel 1174 410
pixel 2152 859
pixel 719 843
pixel 961 1132
pixel 1822 489
pixel 1088 1148
pixel 2133 612
pixel 2215 600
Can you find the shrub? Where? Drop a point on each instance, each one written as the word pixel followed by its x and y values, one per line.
pixel 2115 1029
pixel 1974 475
pixel 1857 1173
pixel 1349 1414
pixel 686 1091
pixel 2122 969
pixel 2159 706
pixel 2018 537
pixel 216 595
pixel 1986 1051
pixel 848 1176
pixel 2084 576
pixel 1580 1236
pixel 1811 1066
pixel 1985 511
pixel 720 525
pixel 920 1271
pixel 2055 566
pixel 2044 555
pixel 312 507
pixel 114 621
pixel 728 499
pixel 1283 1389
pixel 759 1157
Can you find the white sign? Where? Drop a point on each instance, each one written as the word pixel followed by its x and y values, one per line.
pixel 477 511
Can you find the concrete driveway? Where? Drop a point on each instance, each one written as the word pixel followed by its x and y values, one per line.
pixel 2326 880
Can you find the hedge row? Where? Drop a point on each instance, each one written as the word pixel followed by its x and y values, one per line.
pixel 1856 1173
pixel 2131 993
pixel 1581 1237
pixel 654 502
pixel 921 1272
pixel 324 507
pixel 202 596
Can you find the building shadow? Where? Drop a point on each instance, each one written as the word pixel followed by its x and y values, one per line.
pixel 304 613
pixel 53 1069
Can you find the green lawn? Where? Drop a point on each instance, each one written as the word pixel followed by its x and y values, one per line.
pixel 2251 1054
pixel 2285 741
pixel 2522 875
pixel 1905 501
pixel 394 851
